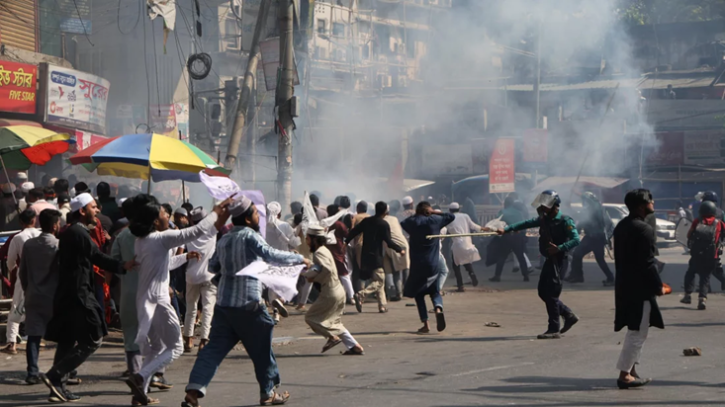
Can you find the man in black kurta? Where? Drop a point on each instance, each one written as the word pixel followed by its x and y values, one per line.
pixel 375 231
pixel 78 323
pixel 637 284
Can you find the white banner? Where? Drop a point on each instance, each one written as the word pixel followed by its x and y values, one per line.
pixel 220 188
pixel 280 279
pixel 76 99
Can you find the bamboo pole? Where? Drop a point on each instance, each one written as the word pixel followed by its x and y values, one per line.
pixel 431 237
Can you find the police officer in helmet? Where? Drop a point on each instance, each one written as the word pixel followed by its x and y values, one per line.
pixel 557 236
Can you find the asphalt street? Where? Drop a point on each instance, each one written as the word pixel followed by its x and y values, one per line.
pixel 468 364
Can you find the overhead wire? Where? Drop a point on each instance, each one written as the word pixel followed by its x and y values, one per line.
pixel 138 18
pixel 82 24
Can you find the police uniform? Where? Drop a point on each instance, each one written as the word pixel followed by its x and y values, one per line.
pixel 562 232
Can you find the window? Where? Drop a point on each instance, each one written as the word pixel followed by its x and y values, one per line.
pixel 321 26
pixel 338 30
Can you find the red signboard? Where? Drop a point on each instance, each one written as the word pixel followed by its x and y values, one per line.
pixel 17 87
pixel 669 149
pixel 535 146
pixel 501 170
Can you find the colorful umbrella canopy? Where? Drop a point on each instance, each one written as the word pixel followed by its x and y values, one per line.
pixel 23 146
pixel 138 155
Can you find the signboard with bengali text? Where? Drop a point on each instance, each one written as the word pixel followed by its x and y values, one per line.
pixel 17 87
pixel 501 170
pixel 76 99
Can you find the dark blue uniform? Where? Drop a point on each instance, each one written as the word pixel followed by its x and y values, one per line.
pixel 562 232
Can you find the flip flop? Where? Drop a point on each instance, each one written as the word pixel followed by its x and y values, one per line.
pixel 149 401
pixel 492 324
pixel 331 344
pixel 353 352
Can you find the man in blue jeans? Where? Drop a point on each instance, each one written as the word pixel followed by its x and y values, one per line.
pixel 425 261
pixel 240 313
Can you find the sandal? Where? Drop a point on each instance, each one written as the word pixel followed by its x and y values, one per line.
pixel 276 399
pixel 424 331
pixel 149 401
pixel 383 310
pixel 354 352
pixel 331 344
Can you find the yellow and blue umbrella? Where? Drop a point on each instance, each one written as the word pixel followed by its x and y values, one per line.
pixel 142 155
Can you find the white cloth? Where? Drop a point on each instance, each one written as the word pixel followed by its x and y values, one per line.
pixel 17 314
pixel 347 285
pixel 197 272
pixel 347 339
pixel 157 320
pixel 280 279
pixel 17 309
pixel 163 343
pixel 15 251
pixel 464 252
pixel 164 8
pixel 207 292
pixel 634 341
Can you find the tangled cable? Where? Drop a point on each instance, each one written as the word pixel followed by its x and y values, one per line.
pixel 195 73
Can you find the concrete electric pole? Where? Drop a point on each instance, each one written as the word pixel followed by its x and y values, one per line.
pixel 247 88
pixel 285 102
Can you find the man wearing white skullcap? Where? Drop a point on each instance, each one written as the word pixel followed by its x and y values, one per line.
pixel 325 314
pixel 26 187
pixel 408 208
pixel 159 331
pixel 198 283
pixel 240 314
pixel 463 251
pixel 77 324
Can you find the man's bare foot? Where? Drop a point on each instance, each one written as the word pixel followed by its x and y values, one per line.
pixel 191 399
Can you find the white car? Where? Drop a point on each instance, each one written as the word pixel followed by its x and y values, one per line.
pixel 665 228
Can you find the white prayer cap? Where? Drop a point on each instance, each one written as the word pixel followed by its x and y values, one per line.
pixel 22 175
pixel 8 188
pixel 407 200
pixel 239 206
pixel 315 230
pixel 454 206
pixel 80 201
pixel 197 214
pixel 26 187
pixel 181 211
pixel 273 210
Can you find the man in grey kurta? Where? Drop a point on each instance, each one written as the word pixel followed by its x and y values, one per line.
pixel 39 278
pixel 122 250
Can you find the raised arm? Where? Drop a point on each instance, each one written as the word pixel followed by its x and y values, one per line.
pixel 527 224
pixel 355 231
pixel 271 255
pixel 175 238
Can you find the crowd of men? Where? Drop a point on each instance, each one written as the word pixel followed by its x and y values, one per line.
pixel 158 273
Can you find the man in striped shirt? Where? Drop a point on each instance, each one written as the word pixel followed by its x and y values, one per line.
pixel 240 313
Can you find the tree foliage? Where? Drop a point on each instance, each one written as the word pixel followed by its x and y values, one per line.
pixel 639 12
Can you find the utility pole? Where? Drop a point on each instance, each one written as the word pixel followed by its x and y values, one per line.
pixel 285 92
pixel 537 84
pixel 247 88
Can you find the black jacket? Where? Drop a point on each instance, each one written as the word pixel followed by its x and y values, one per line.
pixel 76 312
pixel 637 279
pixel 375 231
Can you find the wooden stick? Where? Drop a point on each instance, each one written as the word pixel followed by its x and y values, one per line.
pixel 431 237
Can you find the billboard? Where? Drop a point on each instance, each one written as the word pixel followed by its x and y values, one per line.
pixel 76 99
pixel 17 87
pixel 501 170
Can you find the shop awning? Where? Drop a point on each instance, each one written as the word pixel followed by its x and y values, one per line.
pixel 601 182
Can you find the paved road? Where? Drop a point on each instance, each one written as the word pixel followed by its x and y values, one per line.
pixel 469 364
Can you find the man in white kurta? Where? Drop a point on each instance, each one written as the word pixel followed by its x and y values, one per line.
pixel 463 250
pixel 199 285
pixel 15 252
pixel 159 333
